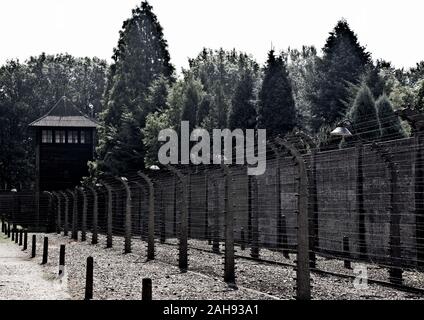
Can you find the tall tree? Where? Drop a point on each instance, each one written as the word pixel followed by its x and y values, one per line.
pixel 219 72
pixel 192 99
pixel 277 112
pixel 140 57
pixel 243 110
pixel 343 62
pixel 364 117
pixel 302 68
pixel 391 127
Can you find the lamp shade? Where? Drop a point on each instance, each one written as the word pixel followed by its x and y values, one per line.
pixel 341 131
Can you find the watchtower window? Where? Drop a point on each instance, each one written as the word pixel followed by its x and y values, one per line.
pixel 73 136
pixel 60 136
pixel 46 136
pixel 85 136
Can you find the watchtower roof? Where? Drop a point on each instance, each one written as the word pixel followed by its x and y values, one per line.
pixel 65 114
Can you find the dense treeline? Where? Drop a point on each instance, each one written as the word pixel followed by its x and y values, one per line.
pixel 140 93
pixel 29 90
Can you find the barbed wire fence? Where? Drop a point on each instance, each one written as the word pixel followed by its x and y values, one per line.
pixel 361 204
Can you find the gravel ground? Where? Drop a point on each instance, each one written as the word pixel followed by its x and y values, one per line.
pixel 22 279
pixel 119 276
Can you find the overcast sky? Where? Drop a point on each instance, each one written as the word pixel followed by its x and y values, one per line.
pixel 390 29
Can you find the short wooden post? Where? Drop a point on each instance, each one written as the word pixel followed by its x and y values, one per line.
pixel 346 253
pixel 16 235
pixel 13 233
pixel 8 229
pixel 20 236
pixel 147 289
pixel 45 250
pixel 89 279
pixel 25 240
pixel 34 245
pixel 62 260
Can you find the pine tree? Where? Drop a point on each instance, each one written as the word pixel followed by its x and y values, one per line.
pixel 192 99
pixel 140 58
pixel 364 118
pixel 277 112
pixel 419 100
pixel 243 112
pixel 391 127
pixel 343 63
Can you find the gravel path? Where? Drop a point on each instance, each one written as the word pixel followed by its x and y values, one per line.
pixel 119 276
pixel 22 279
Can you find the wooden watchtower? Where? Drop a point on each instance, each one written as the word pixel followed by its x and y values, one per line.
pixel 65 141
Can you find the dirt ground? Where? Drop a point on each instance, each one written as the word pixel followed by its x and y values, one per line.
pixel 24 279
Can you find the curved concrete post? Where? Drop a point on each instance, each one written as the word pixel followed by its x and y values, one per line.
pixel 109 237
pixel 94 238
pixel 183 239
pixel 303 285
pixel 59 209
pixel 278 210
pixel 128 214
pixel 151 217
pixel 229 262
pixel 50 209
pixel 66 217
pixel 313 197
pixel 395 272
pixel 75 215
pixel 84 214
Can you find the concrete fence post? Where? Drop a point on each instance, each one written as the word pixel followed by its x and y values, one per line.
pixel 128 214
pixel 360 202
pixel 109 237
pixel 151 217
pixel 58 212
pixel 313 196
pixel 183 236
pixel 303 285
pixel 216 233
pixel 84 215
pixel 229 261
pixel 278 210
pixel 75 215
pixel 254 247
pixel 66 217
pixel 94 238
pixel 206 220
pixel 395 271
pixel 162 217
